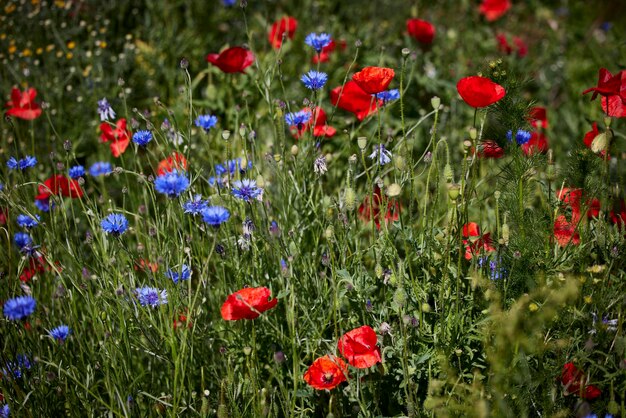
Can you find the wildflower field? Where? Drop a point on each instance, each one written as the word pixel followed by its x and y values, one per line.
pixel 315 208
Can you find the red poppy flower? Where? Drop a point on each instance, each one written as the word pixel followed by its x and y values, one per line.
pixel 490 149
pixel 352 98
pixel 232 60
pixel 324 55
pixel 4 214
pixel 522 47
pixel 475 242
pixel 181 319
pixel 36 265
pixel 479 91
pixel 286 24
pixel 421 30
pixel 366 210
pixel 320 128
pixel 118 136
pixel 616 106
pixel 494 9
pixel 575 382
pixel 608 84
pixel 326 373
pixel 22 105
pixel 373 80
pixel 503 44
pixel 565 232
pixel 618 215
pixel 59 185
pixel 147 266
pixel 359 347
pixel 247 303
pixel 176 161
pixel 538 117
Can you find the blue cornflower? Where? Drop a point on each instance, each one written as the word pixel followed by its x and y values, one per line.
pixel 105 110
pixel 22 239
pixel 388 95
pixel 298 118
pixel 318 41
pixel 231 167
pixel 195 205
pixel 19 307
pixel 150 296
pixel 234 165
pixel 1 187
pixel 27 221
pixel 100 168
pixel 229 3
pixel 22 164
pixel 215 215
pixel 381 154
pixel 206 122
pixel 171 184
pixel 115 224
pixel 314 80
pixel 246 189
pixel 43 204
pixel 142 138
pixel 4 411
pixel 77 171
pixel 521 136
pixel 60 333
pixel 183 274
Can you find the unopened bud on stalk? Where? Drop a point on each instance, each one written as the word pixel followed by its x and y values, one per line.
pixel 294 150
pixel 406 52
pixel 601 142
pixel 607 121
pixel 551 172
pixel 277 158
pixel 349 198
pixel 329 233
pixel 399 162
pixel 435 102
pixel 242 130
pixel 426 307
pixel 393 190
pixel 225 134
pixel 467 144
pixel 473 133
pixel 496 194
pixel 506 233
pixel 361 142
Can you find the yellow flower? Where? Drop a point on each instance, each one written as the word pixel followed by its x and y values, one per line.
pixel 10 8
pixel 587 299
pixel 71 45
pixel 12 49
pixel 39 51
pixel 27 53
pixel 69 55
pixel 49 47
pixel 533 307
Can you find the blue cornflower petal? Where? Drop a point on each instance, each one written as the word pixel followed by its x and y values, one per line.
pixel 115 224
pixel 60 333
pixel 246 190
pixel 19 307
pixel 77 171
pixel 314 80
pixel 318 41
pixel 206 122
pixel 150 296
pixel 215 215
pixel 142 138
pixel 171 184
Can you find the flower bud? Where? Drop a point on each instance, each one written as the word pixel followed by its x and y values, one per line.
pixel 435 102
pixel 329 233
pixel 601 142
pixel 393 190
pixel 551 172
pixel 361 142
pixel 225 134
pixel 506 233
pixel 349 198
pixel 260 181
pixel 448 173
pixel 405 52
pixel 426 307
pixel 453 191
pixel 378 270
pixel 400 297
pixel 473 133
pixel 294 150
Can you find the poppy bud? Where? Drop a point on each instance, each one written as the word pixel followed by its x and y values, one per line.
pixel 551 172
pixel 393 190
pixel 612 407
pixel 473 134
pixel 405 52
pixel 294 150
pixel 349 198
pixel 506 233
pixel 361 142
pixel 601 142
pixel 247 350
pixel 435 102
pixel 453 191
pixel 260 181
pixel 467 144
pixel 400 297
pixel 225 134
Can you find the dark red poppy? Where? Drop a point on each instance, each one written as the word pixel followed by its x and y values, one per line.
pixel 182 319
pixel 421 30
pixel 326 373
pixel 352 98
pixel 589 138
pixel 503 44
pixel 490 149
pixel 320 128
pixel 538 117
pixel 374 80
pixel 22 105
pixel 247 303
pixel 36 265
pixel 118 136
pixel 232 60
pixel 537 144
pixel 575 382
pixel 608 84
pixel 59 185
pixel 494 9
pixel 479 91
pixel 4 214
pixel 366 210
pixel 286 25
pixel 359 347
pixel 324 55
pixel 565 232
pixel 474 242
pixel 176 161
pixel 519 46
